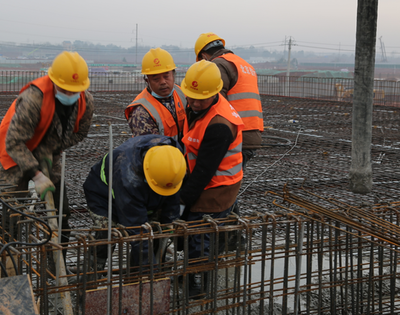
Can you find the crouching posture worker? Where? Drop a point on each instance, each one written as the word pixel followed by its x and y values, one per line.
pixel 146 177
pixel 213 140
pixel 51 114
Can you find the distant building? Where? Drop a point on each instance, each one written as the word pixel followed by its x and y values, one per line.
pixel 67 45
pixel 97 71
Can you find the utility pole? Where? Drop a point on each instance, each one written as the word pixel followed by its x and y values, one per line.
pixel 361 168
pixel 136 43
pixel 383 50
pixel 284 47
pixel 288 67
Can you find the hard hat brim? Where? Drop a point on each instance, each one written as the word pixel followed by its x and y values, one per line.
pixel 163 191
pixel 68 87
pixel 197 96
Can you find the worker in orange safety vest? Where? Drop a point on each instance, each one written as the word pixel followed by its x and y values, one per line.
pixel 212 137
pixel 51 114
pixel 160 107
pixel 240 88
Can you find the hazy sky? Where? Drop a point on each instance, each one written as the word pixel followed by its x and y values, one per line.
pixel 325 25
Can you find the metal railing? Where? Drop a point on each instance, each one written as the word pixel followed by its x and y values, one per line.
pixel 339 89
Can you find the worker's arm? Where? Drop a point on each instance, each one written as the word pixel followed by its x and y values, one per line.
pixel 22 128
pixel 130 206
pixel 213 148
pixel 170 209
pixel 84 125
pixel 141 123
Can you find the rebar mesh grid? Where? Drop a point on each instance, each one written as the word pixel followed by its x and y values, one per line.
pixel 306 145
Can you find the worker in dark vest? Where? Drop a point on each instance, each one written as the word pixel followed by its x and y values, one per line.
pixel 212 136
pixel 160 107
pixel 147 174
pixel 51 114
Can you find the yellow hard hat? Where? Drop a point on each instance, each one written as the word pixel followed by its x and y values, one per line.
pixel 157 61
pixel 70 72
pixel 203 41
pixel 164 168
pixel 202 80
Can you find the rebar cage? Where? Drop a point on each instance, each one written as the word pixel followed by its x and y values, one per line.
pixel 295 260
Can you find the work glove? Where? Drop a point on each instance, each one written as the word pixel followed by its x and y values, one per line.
pixel 181 209
pixel 43 184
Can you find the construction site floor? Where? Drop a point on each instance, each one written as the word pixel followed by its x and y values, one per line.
pixel 306 143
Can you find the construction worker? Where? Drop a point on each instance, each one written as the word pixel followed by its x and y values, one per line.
pixel 160 107
pixel 240 88
pixel 51 114
pixel 146 177
pixel 212 136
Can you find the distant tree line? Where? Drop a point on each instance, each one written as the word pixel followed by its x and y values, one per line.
pixel 133 55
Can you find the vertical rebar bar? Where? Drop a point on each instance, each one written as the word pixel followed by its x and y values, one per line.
pixel 110 196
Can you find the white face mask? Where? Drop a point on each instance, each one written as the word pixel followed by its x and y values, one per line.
pixel 158 96
pixel 66 99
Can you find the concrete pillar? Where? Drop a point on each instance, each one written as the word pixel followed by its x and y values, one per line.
pixel 361 170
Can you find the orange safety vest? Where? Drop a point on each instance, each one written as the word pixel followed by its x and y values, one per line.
pixel 46 117
pixel 229 171
pixel 244 95
pixel 161 115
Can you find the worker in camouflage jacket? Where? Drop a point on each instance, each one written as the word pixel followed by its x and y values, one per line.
pixel 160 108
pixel 51 114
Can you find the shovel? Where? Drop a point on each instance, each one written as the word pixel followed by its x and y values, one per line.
pixel 57 254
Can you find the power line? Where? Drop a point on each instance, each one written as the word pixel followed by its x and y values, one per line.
pixel 333 49
pixel 324 44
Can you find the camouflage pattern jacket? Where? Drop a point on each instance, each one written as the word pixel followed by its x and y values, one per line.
pixel 59 136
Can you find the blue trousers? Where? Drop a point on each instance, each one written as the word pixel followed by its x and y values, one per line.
pixel 195 241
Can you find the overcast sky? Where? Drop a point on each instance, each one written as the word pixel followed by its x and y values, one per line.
pixel 319 25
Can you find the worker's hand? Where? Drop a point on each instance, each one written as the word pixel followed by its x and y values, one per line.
pixel 42 184
pixel 47 164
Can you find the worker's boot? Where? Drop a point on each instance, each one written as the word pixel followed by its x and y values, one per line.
pixel 96 265
pixel 236 242
pixel 198 283
pixel 93 271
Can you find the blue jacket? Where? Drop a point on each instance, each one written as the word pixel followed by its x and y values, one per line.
pixel 132 196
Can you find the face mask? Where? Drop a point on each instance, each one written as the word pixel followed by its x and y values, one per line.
pixel 158 96
pixel 67 100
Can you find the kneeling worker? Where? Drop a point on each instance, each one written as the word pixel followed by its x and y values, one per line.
pixel 146 177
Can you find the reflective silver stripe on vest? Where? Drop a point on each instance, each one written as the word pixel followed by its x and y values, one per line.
pixel 153 112
pixel 192 156
pixel 232 171
pixel 250 113
pixel 244 95
pixel 181 96
pixel 233 151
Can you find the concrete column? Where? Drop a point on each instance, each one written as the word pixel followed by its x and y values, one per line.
pixel 361 170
